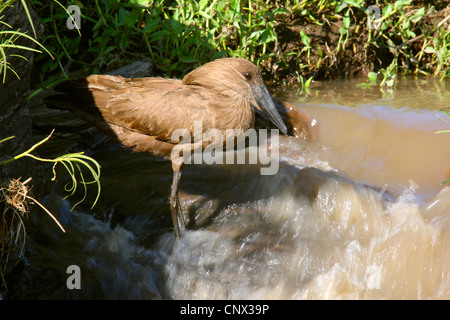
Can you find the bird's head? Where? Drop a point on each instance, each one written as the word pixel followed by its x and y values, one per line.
pixel 237 77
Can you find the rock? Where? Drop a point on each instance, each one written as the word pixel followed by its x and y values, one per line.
pixel 137 69
pixel 14 115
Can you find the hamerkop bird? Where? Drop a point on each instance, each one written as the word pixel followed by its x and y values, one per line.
pixel 142 113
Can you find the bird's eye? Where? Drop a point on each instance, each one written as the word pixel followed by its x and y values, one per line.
pixel 248 76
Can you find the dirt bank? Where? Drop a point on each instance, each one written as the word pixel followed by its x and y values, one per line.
pixel 331 56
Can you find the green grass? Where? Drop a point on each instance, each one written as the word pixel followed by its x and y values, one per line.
pixel 447 113
pixel 15 198
pixel 9 39
pixel 15 201
pixel 180 35
pixel 72 162
pixel 446 120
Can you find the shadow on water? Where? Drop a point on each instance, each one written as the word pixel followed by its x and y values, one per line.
pixel 358 214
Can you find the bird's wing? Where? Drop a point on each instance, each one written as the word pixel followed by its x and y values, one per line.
pixel 150 106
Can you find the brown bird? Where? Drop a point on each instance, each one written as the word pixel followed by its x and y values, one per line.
pixel 142 113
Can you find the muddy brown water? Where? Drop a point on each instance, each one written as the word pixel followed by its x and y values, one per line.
pixel 360 213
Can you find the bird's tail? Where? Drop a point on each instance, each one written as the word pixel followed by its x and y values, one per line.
pixel 76 96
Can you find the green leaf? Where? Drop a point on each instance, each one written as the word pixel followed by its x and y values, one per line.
pixel 341 6
pixel 152 25
pixel 416 17
pixel 372 77
pixel 387 10
pixel 346 20
pixel 364 85
pixel 304 38
pixel 308 82
pixel 24 4
pixel 188 59
pixel 202 4
pixel 143 3
pixel 398 5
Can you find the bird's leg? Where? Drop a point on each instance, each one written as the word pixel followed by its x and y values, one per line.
pixel 175 208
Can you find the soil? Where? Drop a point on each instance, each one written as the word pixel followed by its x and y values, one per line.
pixel 357 57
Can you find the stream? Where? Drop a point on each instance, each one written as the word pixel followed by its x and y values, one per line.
pixel 358 213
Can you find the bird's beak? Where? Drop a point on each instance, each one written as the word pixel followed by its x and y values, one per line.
pixel 266 105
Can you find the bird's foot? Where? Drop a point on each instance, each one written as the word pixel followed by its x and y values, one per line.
pixel 179 223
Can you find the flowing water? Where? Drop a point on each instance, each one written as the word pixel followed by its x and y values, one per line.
pixel 359 213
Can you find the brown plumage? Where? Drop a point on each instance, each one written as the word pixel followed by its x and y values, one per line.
pixel 142 113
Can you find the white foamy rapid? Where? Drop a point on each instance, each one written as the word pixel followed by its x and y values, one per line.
pixel 314 233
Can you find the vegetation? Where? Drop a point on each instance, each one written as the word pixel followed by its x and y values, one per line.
pixel 447 113
pixel 72 162
pixel 8 40
pixel 15 201
pixel 15 197
pixel 447 120
pixel 287 39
